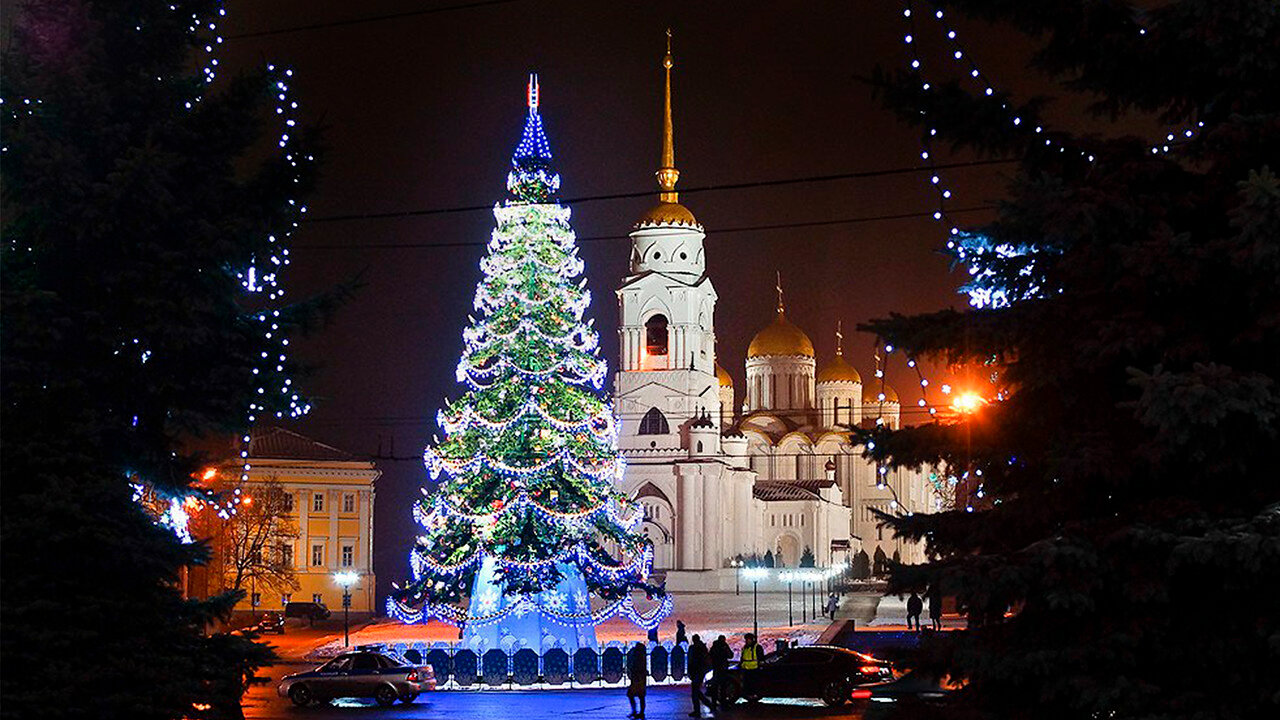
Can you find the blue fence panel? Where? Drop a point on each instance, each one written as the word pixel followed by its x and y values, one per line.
pixel 658 663
pixel 524 667
pixel 678 662
pixel 586 666
pixel 441 664
pixel 555 667
pixel 611 664
pixel 465 667
pixel 496 665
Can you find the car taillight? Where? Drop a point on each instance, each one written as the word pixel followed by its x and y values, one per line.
pixel 413 676
pixel 860 694
pixel 869 669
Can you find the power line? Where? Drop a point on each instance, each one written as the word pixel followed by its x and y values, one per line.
pixel 885 172
pixel 371 19
pixel 597 238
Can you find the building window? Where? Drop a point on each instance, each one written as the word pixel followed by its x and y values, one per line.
pixel 654 423
pixel 348 556
pixel 773 520
pixel 801 521
pixel 317 555
pixel 317 598
pixel 255 599
pixel 288 502
pixel 699 446
pixel 655 331
pixel 286 554
pixel 799 468
pixel 349 502
pixel 317 502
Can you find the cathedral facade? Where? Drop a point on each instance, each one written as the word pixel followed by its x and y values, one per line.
pixel 776 474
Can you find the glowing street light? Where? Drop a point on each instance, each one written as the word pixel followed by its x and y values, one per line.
pixel 346 580
pixel 967 403
pixel 755 575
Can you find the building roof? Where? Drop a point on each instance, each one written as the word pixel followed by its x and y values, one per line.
pixel 839 370
pixel 780 337
pixel 668 213
pixel 871 394
pixel 779 490
pixel 723 377
pixel 281 444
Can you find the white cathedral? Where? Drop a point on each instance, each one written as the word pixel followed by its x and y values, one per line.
pixel 779 473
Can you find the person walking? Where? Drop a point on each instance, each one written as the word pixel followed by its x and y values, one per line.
pixel 681 637
pixel 638 673
pixel 720 654
pixel 915 606
pixel 749 662
pixel 832 603
pixel 935 606
pixel 699 663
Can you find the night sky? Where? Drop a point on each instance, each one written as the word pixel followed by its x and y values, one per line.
pixel 422 112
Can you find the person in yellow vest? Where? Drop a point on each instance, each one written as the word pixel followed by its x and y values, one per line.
pixel 749 661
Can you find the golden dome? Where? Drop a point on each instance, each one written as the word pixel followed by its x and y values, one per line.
pixel 839 370
pixel 780 338
pixel 723 376
pixel 871 394
pixel 668 213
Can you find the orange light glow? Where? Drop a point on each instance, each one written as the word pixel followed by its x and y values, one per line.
pixel 968 402
pixel 247 500
pixel 209 474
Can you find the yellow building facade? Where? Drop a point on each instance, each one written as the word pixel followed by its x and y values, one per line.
pixel 331 499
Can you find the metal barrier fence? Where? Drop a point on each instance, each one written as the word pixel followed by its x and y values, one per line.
pixel 460 667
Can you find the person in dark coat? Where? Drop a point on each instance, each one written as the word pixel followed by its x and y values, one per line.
pixel 681 637
pixel 720 655
pixel 638 672
pixel 653 634
pixel 915 606
pixel 699 664
pixel 935 606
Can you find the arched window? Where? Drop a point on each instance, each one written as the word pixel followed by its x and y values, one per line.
pixel 699 446
pixel 655 329
pixel 654 423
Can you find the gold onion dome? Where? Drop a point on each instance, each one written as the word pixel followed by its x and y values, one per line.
pixel 871 394
pixel 723 376
pixel 780 337
pixel 839 370
pixel 667 213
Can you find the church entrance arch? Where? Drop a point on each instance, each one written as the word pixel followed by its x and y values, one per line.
pixel 787 550
pixel 658 525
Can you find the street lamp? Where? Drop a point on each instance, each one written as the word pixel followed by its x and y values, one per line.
pixel 787 576
pixel 755 575
pixel 346 580
pixel 737 581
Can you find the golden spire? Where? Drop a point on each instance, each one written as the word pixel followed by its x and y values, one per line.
pixel 839 340
pixel 778 287
pixel 667 172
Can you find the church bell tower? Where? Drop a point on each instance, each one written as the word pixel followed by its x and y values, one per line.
pixel 666 380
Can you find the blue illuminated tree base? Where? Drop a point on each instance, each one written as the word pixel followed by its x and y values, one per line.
pixel 560 617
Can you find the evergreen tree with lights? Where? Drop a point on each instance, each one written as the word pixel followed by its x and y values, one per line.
pixel 526 525
pixel 1125 301
pixel 145 207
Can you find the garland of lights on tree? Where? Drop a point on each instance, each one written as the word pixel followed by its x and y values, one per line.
pixel 526 524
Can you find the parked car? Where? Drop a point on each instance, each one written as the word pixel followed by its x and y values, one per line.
pixel 359 674
pixel 270 622
pixel 911 692
pixel 825 672
pixel 310 610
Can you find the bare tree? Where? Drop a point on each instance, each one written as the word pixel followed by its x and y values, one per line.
pixel 259 540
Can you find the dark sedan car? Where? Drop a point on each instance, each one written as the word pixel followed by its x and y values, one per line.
pixel 812 671
pixel 359 674
pixel 906 696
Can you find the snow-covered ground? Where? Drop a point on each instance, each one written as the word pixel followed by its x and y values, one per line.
pixel 707 614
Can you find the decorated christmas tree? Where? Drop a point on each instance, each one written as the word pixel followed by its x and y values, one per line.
pixel 525 525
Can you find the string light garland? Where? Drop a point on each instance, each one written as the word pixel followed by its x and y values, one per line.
pixel 525 522
pixel 982 256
